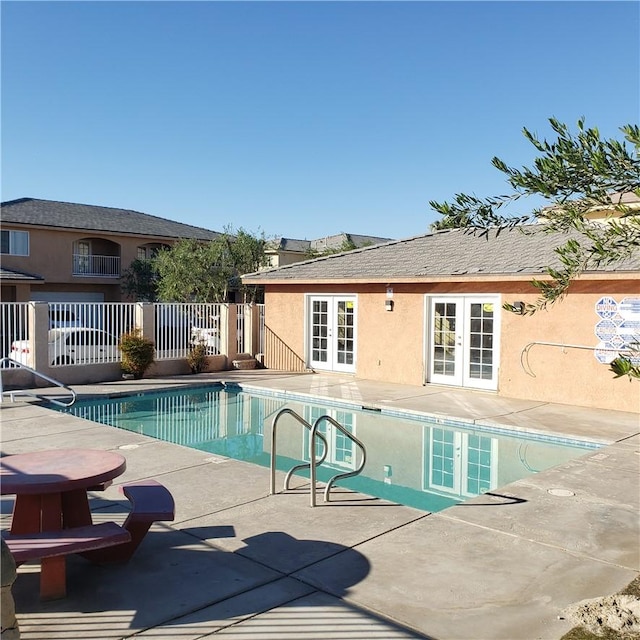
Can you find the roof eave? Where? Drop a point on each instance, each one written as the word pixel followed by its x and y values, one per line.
pixel 134 234
pixel 493 277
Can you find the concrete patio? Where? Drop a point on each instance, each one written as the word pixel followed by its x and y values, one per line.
pixel 238 563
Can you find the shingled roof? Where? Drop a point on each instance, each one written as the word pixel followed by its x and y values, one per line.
pixel 327 242
pixel 456 252
pixel 67 215
pixel 13 274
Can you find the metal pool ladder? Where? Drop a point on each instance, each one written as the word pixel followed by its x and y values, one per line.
pixel 314 461
pixel 27 392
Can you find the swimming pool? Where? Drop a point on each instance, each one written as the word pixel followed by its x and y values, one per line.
pixel 412 460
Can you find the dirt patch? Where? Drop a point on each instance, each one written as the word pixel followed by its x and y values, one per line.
pixel 616 616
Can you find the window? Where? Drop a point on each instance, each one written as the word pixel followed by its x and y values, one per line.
pixel 15 243
pixel 150 251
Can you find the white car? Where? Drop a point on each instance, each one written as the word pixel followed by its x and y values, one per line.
pixel 208 336
pixel 72 345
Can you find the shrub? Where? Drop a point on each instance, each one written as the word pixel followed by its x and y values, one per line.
pixel 138 353
pixel 197 357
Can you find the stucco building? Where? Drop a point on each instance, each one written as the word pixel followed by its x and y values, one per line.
pixel 61 251
pixel 428 310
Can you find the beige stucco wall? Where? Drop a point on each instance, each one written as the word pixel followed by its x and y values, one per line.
pixel 51 256
pixel 565 375
pixel 391 344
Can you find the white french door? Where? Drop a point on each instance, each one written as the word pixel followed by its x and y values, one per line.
pixel 463 341
pixel 331 341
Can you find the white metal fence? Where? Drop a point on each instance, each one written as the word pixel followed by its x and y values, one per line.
pixel 14 326
pixel 241 327
pixel 261 329
pixel 87 332
pixel 180 326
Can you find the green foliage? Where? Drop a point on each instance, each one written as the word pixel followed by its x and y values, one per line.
pixel 140 281
pixel 246 254
pixel 197 357
pixel 576 174
pixel 138 353
pixel 627 364
pixel 195 271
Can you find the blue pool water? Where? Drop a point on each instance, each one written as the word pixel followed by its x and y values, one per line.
pixel 416 461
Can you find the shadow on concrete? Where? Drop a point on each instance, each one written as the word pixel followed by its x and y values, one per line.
pixel 181 583
pixel 506 501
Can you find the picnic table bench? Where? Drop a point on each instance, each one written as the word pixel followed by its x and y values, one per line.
pixel 150 502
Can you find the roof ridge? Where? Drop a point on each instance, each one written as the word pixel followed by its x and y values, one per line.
pixel 99 206
pixel 337 255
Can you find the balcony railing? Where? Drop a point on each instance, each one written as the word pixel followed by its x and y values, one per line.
pixel 97 266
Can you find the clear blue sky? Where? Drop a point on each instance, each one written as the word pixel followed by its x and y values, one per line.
pixel 300 119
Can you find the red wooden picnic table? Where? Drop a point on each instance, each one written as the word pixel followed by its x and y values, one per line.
pixel 51 491
pixel 51 486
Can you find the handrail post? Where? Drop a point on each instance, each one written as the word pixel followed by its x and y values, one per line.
pixel 312 464
pixel 272 466
pixel 351 437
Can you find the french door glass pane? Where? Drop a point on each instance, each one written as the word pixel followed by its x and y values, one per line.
pixel 344 327
pixel 442 458
pixel 479 456
pixel 344 447
pixel 319 331
pixel 481 341
pixel 444 338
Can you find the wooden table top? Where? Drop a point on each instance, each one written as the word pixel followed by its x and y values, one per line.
pixel 58 470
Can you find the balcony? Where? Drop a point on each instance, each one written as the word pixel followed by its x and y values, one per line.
pixel 96 266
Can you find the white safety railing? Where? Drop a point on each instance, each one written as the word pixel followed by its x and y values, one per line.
pixel 180 326
pixel 6 363
pixel 14 328
pixel 96 266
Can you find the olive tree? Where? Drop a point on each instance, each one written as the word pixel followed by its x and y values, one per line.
pixel 191 271
pixel 140 280
pixel 196 271
pixel 575 174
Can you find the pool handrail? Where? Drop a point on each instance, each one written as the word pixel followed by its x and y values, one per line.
pixel 314 462
pixel 28 392
pixel 304 423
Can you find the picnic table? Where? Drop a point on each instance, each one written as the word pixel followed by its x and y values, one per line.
pixel 51 486
pixel 51 514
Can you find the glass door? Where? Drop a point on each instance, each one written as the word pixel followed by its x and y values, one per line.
pixel 332 340
pixel 463 341
pixel 82 252
pixel 445 353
